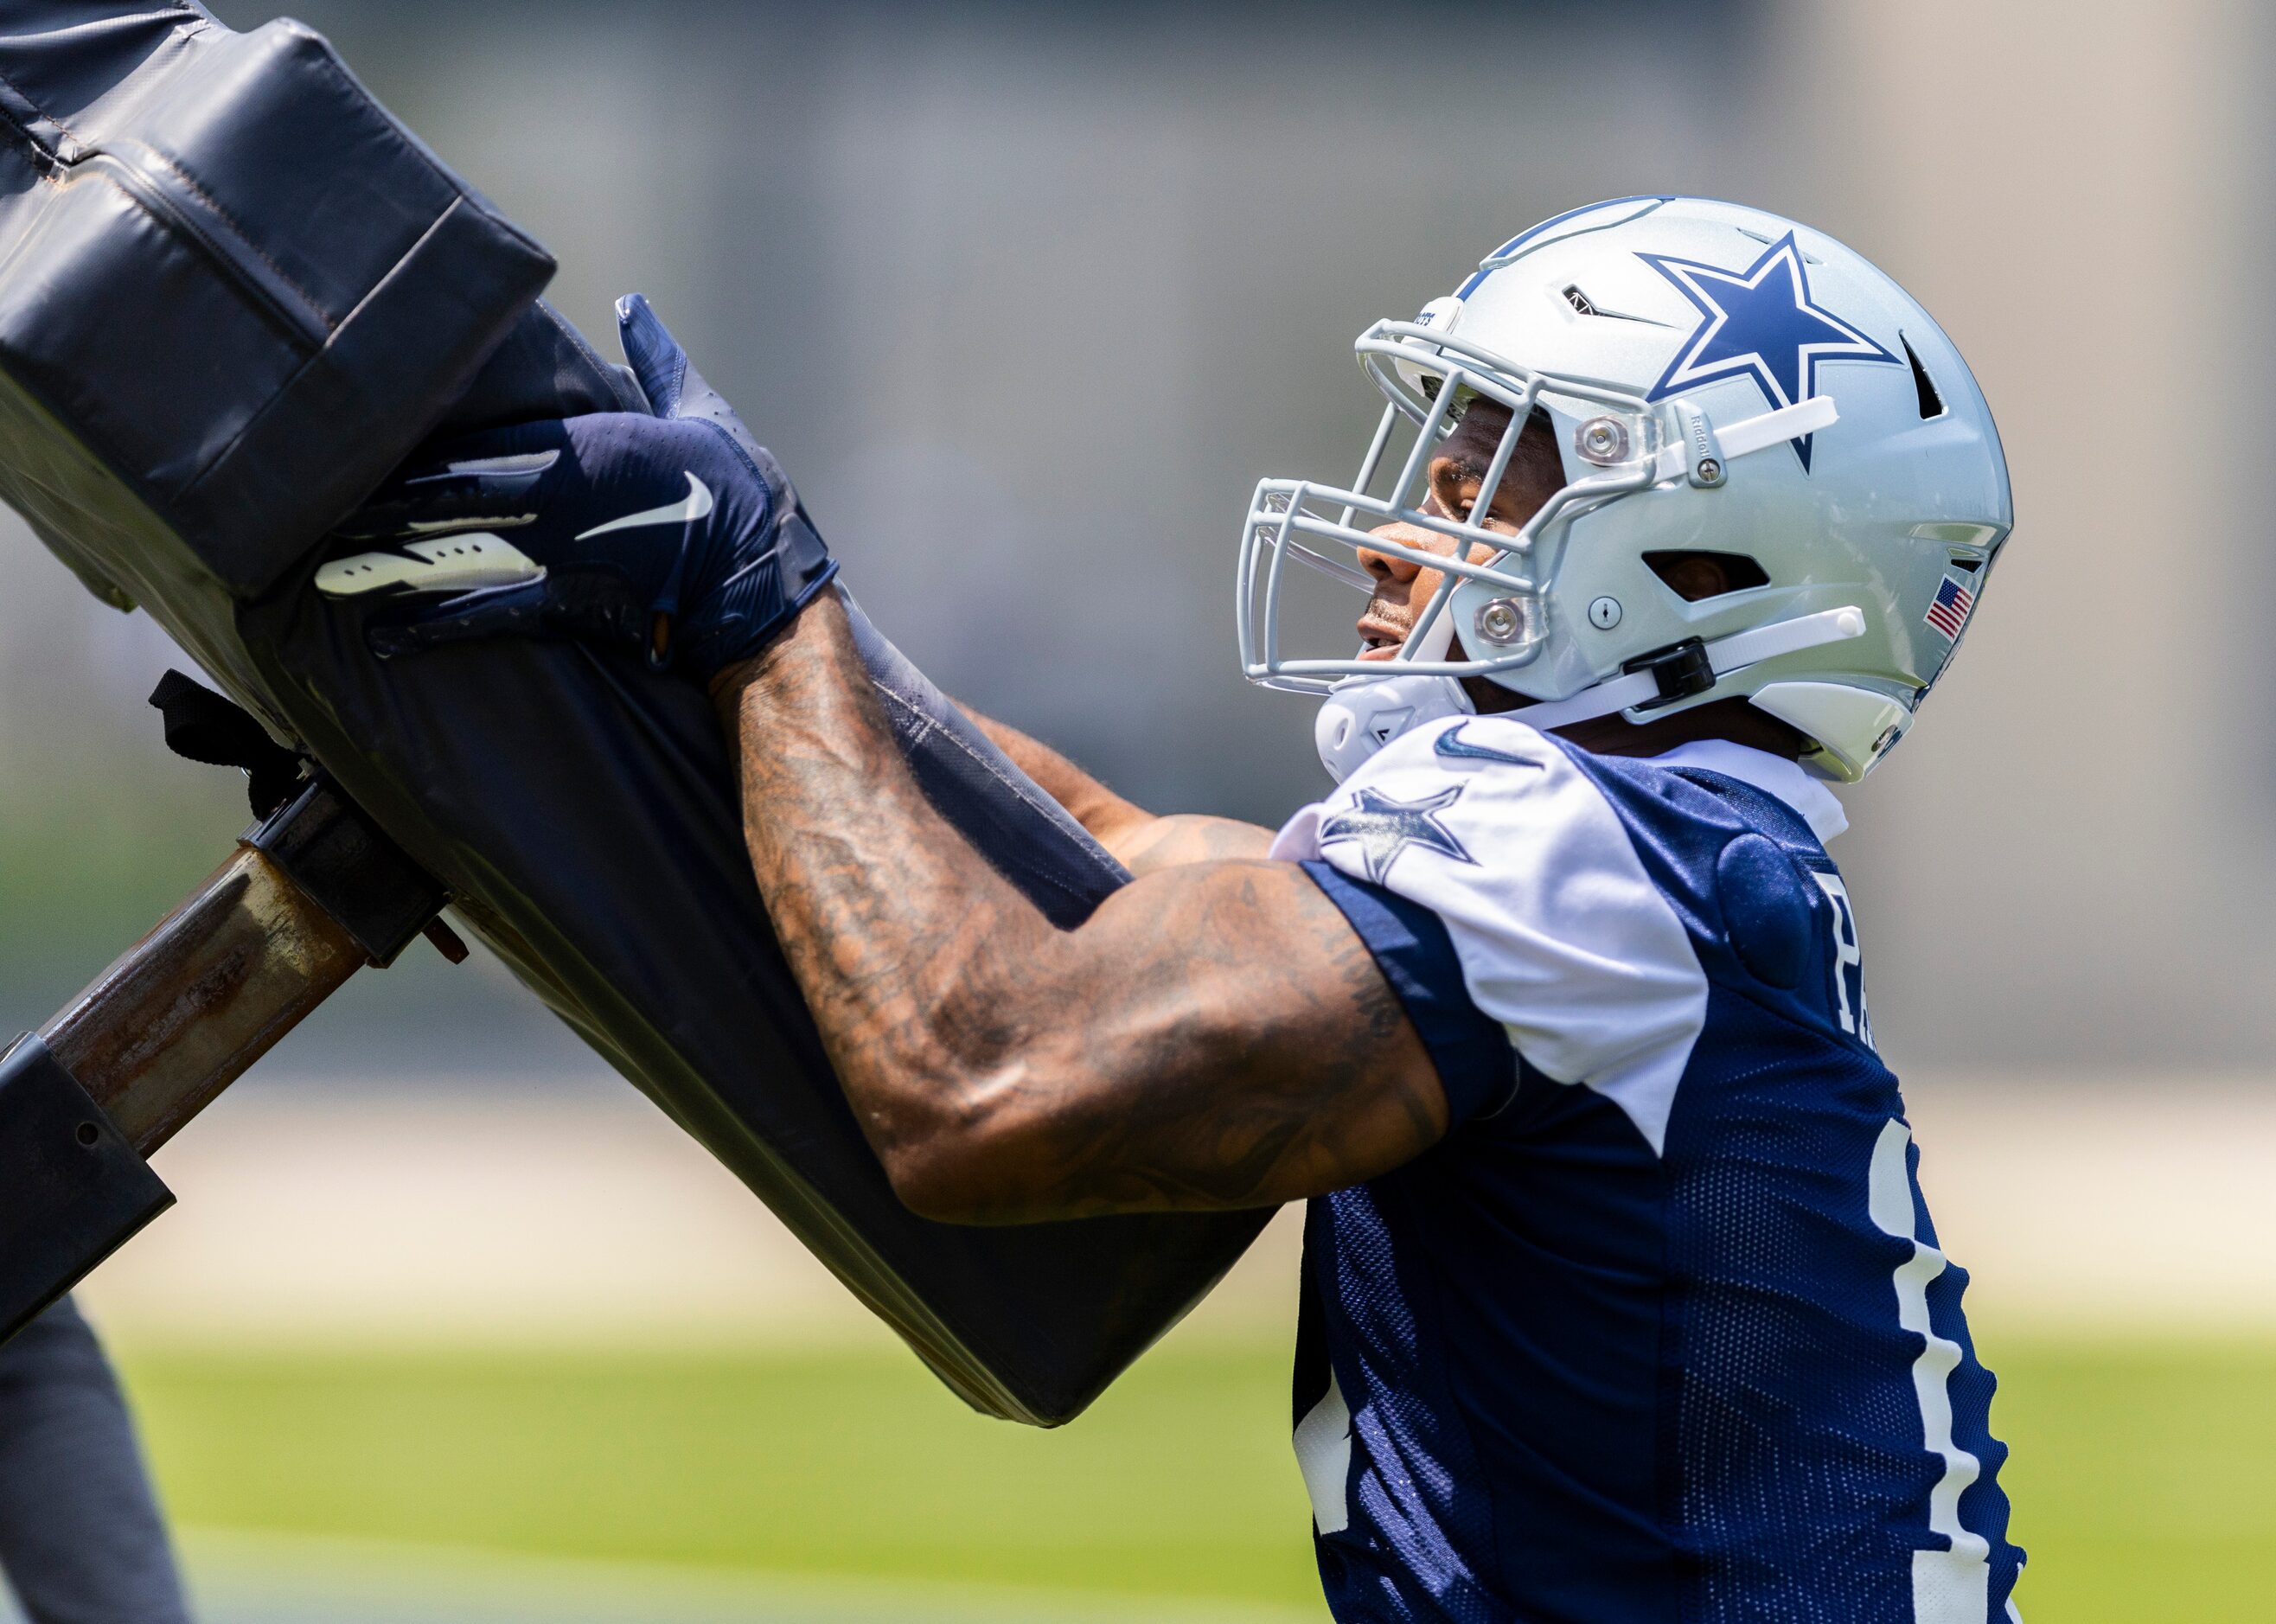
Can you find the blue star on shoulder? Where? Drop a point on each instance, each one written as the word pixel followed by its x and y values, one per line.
pixel 1760 322
pixel 1384 828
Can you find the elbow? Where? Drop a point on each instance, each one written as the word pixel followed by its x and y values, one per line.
pixel 938 1181
pixel 958 1107
pixel 974 1168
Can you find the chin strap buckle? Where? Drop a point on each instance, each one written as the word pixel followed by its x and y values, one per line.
pixel 1680 671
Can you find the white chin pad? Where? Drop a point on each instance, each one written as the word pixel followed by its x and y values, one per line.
pixel 1365 713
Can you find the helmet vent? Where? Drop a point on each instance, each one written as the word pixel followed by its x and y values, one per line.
pixel 1961 561
pixel 1808 258
pixel 1585 305
pixel 1931 404
pixel 1695 576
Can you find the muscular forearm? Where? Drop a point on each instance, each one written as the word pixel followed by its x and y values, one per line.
pixel 880 918
pixel 1217 1040
pixel 933 982
pixel 1142 841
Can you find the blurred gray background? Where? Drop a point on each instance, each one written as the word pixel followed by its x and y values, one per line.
pixel 1027 297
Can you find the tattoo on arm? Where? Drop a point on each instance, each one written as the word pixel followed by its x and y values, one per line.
pixel 1249 1053
pixel 1215 1035
pixel 1187 838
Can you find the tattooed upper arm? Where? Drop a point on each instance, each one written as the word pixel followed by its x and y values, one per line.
pixel 1139 839
pixel 1217 1035
pixel 1184 837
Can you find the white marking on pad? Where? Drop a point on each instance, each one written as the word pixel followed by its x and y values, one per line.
pixel 432 526
pixel 455 564
pixel 520 462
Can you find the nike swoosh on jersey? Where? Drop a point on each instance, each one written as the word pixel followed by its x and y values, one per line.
pixel 697 505
pixel 1452 743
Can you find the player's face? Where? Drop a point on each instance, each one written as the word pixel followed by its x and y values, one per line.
pixel 1457 474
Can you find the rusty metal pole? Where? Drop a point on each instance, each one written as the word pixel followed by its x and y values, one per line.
pixel 314 893
pixel 184 1011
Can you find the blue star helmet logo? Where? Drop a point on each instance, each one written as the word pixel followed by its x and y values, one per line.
pixel 1384 828
pixel 1762 324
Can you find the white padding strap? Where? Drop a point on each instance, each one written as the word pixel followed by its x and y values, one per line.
pixel 1792 423
pixel 1754 434
pixel 1725 655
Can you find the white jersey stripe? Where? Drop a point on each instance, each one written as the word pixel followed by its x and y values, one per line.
pixel 1954 1586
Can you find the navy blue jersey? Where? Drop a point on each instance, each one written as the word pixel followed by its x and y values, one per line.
pixel 1661 1329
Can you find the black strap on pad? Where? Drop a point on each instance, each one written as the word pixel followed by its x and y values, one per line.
pixel 202 726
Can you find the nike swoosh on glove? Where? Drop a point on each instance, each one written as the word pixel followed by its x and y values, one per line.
pixel 676 535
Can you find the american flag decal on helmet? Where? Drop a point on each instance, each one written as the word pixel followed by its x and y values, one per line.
pixel 1949 612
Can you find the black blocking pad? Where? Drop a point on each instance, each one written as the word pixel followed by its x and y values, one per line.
pixel 309 293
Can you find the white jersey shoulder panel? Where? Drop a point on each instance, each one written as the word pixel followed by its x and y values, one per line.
pixel 1562 936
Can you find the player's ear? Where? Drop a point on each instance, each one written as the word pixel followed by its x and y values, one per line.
pixel 1693 575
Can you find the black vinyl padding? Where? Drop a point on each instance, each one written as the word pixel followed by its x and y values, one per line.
pixel 234 292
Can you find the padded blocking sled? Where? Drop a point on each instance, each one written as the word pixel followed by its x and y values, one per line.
pixel 234 294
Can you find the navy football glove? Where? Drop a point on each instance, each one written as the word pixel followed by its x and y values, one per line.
pixel 677 536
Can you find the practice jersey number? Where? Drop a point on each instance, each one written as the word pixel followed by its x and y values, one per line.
pixel 1848 960
pixel 1952 1585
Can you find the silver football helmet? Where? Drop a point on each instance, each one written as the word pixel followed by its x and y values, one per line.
pixel 1720 380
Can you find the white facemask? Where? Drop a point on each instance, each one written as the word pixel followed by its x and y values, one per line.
pixel 1366 713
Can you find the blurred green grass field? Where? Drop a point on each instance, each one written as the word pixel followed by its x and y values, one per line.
pixel 2144 1475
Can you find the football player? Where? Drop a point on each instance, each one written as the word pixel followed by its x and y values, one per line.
pixel 82 1537
pixel 1620 1298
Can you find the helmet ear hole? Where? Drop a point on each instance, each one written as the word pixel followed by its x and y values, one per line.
pixel 1695 576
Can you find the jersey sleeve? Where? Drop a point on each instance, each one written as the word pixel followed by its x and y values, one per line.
pixel 1503 898
pixel 1411 946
